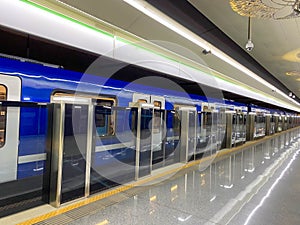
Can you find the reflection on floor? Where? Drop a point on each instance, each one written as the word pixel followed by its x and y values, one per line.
pixel 259 185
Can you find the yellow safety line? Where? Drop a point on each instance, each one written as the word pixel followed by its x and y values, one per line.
pixel 106 194
pixel 143 181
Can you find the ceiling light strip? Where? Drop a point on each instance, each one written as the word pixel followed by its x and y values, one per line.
pixel 69 18
pixel 168 22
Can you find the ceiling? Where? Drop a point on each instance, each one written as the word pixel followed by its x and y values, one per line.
pixel 272 39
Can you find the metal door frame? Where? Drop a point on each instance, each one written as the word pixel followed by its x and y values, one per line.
pixel 184 133
pixel 139 107
pixel 58 143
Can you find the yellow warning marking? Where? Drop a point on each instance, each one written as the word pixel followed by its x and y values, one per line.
pixel 75 205
pixel 89 200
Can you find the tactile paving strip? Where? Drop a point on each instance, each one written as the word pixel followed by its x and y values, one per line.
pixel 57 220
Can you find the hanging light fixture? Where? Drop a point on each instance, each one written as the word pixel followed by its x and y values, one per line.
pixel 267 9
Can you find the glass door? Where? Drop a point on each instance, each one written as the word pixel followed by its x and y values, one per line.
pixel 142 120
pixel 145 140
pixel 74 152
pixel 192 134
pixel 114 148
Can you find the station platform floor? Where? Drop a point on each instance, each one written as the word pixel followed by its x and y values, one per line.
pixel 252 186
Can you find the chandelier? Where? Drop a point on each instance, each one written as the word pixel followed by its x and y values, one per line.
pixel 267 9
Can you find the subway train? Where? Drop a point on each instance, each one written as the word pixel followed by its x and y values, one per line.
pixel 103 132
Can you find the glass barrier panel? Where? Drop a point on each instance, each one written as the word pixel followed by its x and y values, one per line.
pixel 74 152
pixel 113 156
pixel 203 144
pixel 172 144
pixel 23 156
pixel 158 136
pixel 191 134
pixel 221 128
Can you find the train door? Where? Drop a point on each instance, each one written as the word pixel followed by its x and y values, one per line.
pixel 10 90
pixel 188 118
pixel 71 148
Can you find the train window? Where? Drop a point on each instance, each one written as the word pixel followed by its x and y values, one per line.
pixel 272 120
pixel 241 119
pixel 215 117
pixel 205 108
pixel 157 104
pixel 207 120
pixel 104 118
pixel 176 123
pixel 157 120
pixel 3 110
pixel 142 101
pixel 234 119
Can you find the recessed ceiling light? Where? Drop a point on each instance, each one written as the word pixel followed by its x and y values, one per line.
pixel 292 56
pixel 292 73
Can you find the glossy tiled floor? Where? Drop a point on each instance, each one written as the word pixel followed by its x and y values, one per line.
pixel 255 186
